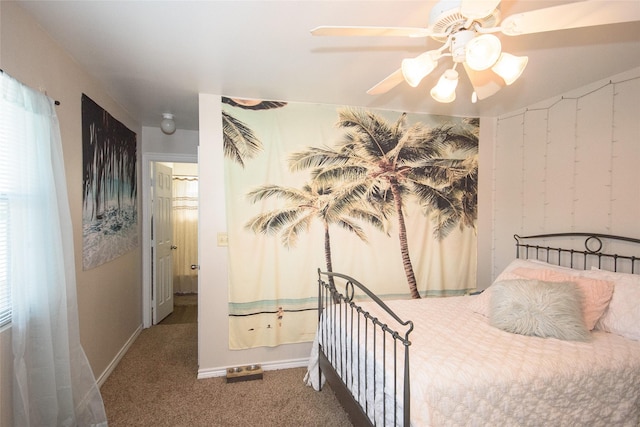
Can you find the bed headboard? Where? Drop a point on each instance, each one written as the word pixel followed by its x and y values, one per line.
pixel 582 250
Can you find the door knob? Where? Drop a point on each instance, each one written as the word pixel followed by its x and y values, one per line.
pixel 195 267
pixel 174 247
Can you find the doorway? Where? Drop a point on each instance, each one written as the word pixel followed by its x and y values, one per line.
pixel 184 245
pixel 184 162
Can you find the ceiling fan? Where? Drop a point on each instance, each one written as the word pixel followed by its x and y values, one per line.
pixel 466 30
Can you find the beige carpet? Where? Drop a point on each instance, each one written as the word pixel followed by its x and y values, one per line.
pixel 155 385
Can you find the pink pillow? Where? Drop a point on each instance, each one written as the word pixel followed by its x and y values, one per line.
pixel 596 293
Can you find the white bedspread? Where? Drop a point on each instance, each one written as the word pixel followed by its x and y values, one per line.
pixel 468 373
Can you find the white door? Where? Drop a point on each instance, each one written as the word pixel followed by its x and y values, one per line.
pixel 162 243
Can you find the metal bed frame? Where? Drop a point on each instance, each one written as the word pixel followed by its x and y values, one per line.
pixel 338 359
pixel 336 351
pixel 592 254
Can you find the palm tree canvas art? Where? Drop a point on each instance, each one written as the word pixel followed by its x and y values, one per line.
pixel 109 211
pixel 389 198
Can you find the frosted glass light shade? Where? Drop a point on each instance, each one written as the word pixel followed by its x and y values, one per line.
pixel 167 124
pixel 482 51
pixel 510 67
pixel 445 90
pixel 415 69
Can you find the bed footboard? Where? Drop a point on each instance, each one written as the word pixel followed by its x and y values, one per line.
pixel 364 354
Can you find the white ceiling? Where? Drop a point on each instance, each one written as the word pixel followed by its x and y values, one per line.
pixel 156 56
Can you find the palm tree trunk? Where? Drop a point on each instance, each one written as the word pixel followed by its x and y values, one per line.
pixel 404 246
pixel 327 253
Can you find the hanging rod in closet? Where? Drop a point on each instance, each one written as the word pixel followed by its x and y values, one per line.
pixel 55 100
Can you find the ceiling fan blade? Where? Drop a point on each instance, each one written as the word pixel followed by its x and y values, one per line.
pixel 571 15
pixel 389 82
pixel 476 9
pixel 371 31
pixel 485 83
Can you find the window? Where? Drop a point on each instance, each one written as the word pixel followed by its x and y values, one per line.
pixel 12 149
pixel 7 153
pixel 5 289
pixel 36 265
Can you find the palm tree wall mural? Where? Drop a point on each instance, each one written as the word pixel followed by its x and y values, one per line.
pixel 387 197
pixel 239 143
pixel 433 165
pixel 343 206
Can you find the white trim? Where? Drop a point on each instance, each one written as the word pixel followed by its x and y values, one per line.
pixel 119 356
pixel 147 158
pixel 270 366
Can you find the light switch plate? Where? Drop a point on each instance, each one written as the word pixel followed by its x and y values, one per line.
pixel 223 239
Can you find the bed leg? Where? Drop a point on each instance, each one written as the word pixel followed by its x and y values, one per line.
pixel 319 370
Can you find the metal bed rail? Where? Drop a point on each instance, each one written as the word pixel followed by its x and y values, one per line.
pixel 592 255
pixel 364 351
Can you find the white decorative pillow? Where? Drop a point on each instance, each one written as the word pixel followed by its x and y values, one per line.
pixel 622 317
pixel 538 308
pixel 596 292
pixel 480 303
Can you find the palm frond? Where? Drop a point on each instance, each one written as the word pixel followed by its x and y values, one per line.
pixel 314 157
pixel 238 140
pixel 414 144
pixel 444 225
pixel 380 222
pixel 301 224
pixel 273 221
pixel 434 200
pixel 443 171
pixel 285 193
pixel 353 227
pixel 373 132
pixel 455 137
pixel 339 173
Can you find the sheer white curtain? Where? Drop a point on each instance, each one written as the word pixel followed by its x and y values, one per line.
pixel 53 382
pixel 185 234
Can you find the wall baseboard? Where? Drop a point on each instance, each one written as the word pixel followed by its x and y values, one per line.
pixel 269 366
pixel 109 369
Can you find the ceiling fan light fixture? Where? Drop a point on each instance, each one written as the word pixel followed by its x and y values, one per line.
pixel 465 27
pixel 445 90
pixel 415 69
pixel 459 41
pixel 510 67
pixel 478 8
pixel 482 51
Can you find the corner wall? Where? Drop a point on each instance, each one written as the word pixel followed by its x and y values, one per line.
pixel 109 296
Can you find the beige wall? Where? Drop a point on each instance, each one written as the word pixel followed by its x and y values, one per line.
pixel 109 297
